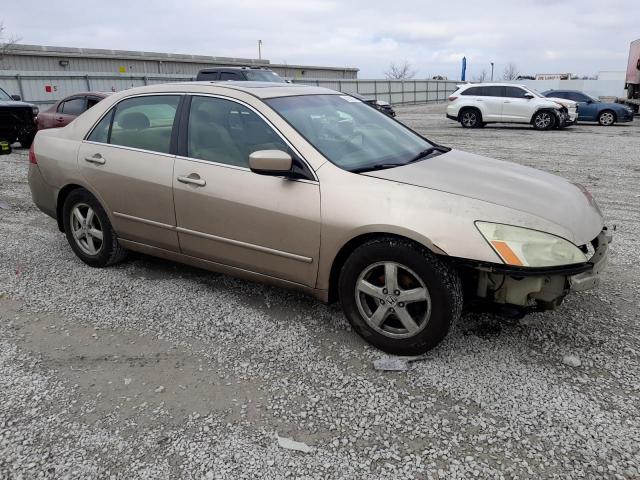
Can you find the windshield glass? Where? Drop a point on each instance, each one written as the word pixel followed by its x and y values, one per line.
pixel 351 134
pixel 534 92
pixel 4 95
pixel 263 76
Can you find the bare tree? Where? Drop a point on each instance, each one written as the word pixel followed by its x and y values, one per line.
pixel 6 44
pixel 482 77
pixel 510 72
pixel 400 72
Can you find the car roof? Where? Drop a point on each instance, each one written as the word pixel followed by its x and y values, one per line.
pixel 492 84
pixel 95 94
pixel 215 69
pixel 261 89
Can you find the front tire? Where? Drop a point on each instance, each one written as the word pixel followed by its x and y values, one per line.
pixel 544 120
pixel 25 142
pixel 399 296
pixel 606 118
pixel 89 231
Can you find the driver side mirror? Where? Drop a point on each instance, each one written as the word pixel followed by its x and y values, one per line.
pixel 275 163
pixel 17 98
pixel 528 96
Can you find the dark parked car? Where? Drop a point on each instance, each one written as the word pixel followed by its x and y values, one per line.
pixel 250 74
pixel 17 119
pixel 590 109
pixel 64 111
pixel 384 107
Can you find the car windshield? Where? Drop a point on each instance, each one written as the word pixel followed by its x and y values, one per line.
pixel 534 92
pixel 349 133
pixel 263 76
pixel 4 95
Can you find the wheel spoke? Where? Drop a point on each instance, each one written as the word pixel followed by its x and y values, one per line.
pixel 370 289
pixel 95 233
pixel 379 316
pixel 89 218
pixel 78 234
pixel 407 321
pixel 391 276
pixel 90 245
pixel 78 215
pixel 413 295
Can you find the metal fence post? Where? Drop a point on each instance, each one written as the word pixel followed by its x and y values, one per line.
pixel 415 96
pixel 145 79
pixel 20 89
pixel 390 97
pixel 375 89
pixel 402 91
pixel 317 83
pixel 339 85
pixel 86 77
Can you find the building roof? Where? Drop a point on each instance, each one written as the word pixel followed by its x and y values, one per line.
pixel 52 51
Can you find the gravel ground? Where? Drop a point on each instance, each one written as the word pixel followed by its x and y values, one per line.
pixel 156 370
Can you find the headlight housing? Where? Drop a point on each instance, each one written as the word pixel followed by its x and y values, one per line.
pixel 523 247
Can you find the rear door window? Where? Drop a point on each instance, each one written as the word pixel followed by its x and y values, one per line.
pixel 208 75
pixel 140 122
pixel 73 106
pixel 230 76
pixel 493 91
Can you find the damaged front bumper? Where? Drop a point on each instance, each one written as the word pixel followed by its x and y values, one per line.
pixel 534 289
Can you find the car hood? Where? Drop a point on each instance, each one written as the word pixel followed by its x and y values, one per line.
pixel 14 103
pixel 563 101
pixel 514 186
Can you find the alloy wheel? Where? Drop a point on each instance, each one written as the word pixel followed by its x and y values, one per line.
pixel 543 120
pixel 86 229
pixel 393 300
pixel 606 118
pixel 469 119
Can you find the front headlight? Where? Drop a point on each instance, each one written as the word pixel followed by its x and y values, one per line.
pixel 523 247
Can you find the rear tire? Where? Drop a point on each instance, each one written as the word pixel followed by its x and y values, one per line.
pixel 25 142
pixel 606 118
pixel 470 118
pixel 399 296
pixel 544 120
pixel 89 231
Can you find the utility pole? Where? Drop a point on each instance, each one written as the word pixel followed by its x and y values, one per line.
pixel 259 49
pixel 492 71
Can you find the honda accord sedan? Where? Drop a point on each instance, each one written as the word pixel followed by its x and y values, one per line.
pixel 311 189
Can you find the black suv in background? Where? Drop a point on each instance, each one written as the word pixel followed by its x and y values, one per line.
pixel 17 119
pixel 249 74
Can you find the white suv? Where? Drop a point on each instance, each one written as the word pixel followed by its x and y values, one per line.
pixel 475 105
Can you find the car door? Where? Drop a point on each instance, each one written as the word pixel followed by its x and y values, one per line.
pixel 489 98
pixel 68 110
pixel 226 213
pixel 127 159
pixel 587 108
pixel 516 106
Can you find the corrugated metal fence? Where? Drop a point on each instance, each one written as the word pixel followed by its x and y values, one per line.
pixel 46 88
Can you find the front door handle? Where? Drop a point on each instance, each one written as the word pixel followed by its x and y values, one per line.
pixel 507 101
pixel 97 159
pixel 193 179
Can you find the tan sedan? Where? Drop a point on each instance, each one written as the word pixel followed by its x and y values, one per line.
pixel 314 190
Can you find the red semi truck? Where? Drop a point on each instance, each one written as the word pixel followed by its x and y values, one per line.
pixel 632 82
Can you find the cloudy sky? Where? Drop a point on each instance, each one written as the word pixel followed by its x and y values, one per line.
pixel 539 36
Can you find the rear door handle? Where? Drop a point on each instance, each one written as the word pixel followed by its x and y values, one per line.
pixel 193 179
pixel 507 101
pixel 97 159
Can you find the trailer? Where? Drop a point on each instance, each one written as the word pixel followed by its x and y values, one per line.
pixel 632 81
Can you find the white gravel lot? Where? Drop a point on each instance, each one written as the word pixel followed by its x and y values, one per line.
pixel 155 370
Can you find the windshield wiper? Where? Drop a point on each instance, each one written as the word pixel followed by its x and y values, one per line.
pixel 427 152
pixel 377 166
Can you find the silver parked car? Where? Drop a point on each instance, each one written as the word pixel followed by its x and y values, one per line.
pixel 311 189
